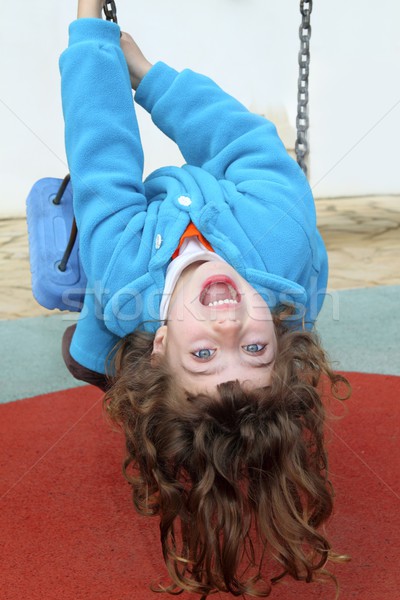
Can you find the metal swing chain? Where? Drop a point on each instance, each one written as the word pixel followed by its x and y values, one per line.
pixel 110 11
pixel 302 121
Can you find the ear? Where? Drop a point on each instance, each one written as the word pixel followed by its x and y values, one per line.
pixel 160 342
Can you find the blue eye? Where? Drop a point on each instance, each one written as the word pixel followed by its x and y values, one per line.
pixel 204 353
pixel 254 348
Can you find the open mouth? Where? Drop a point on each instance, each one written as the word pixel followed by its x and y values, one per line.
pixel 219 290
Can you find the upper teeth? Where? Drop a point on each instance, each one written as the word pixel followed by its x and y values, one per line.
pixel 226 301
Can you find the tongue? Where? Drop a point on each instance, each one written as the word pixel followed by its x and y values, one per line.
pixel 217 291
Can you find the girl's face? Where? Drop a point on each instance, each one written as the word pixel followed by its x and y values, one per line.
pixel 218 329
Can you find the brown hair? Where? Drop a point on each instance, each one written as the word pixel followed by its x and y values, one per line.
pixel 234 477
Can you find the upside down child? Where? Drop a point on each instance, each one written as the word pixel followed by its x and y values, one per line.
pixel 207 278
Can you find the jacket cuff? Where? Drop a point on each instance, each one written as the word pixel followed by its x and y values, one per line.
pixel 154 84
pixel 94 30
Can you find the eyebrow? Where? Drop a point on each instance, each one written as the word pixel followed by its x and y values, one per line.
pixel 214 371
pixel 190 372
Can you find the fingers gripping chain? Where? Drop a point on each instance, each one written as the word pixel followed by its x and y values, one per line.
pixel 302 122
pixel 110 10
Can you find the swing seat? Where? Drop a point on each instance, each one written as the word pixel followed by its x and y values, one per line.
pixel 49 227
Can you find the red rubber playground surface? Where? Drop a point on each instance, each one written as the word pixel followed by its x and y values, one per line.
pixel 69 530
pixel 68 526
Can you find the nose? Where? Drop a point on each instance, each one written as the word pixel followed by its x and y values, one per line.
pixel 226 325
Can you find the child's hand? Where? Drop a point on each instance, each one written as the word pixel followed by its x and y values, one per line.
pixel 90 9
pixel 138 65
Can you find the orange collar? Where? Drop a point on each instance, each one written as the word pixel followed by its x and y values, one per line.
pixel 190 231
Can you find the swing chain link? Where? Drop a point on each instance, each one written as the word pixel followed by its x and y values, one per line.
pixel 110 10
pixel 302 121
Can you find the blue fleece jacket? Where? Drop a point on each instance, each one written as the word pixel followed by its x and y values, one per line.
pixel 239 187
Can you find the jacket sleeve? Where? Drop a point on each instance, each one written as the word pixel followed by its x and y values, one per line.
pixel 102 142
pixel 216 132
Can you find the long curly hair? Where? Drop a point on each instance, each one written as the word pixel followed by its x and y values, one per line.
pixel 235 478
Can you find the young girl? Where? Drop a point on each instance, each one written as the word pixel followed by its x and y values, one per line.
pixel 211 275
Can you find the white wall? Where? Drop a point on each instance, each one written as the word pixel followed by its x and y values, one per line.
pixel 250 47
pixel 355 96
